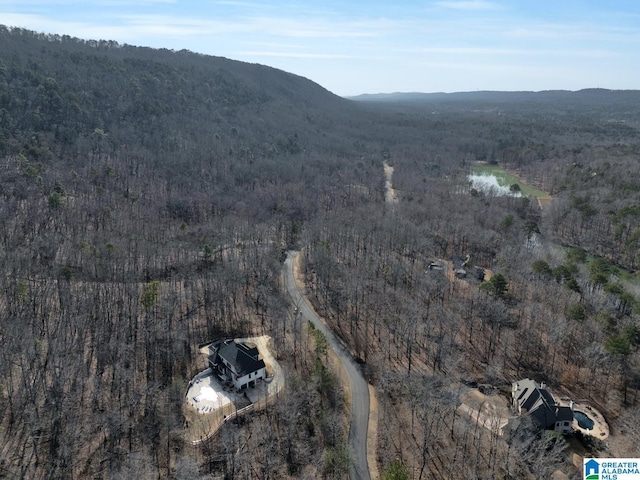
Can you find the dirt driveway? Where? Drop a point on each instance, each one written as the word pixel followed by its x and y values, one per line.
pixel 489 411
pixel 208 405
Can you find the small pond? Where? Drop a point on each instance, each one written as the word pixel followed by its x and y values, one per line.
pixel 583 420
pixel 494 180
pixel 490 184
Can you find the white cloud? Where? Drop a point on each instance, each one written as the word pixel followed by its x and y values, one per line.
pixel 518 52
pixel 584 32
pixel 234 3
pixel 321 28
pixel 292 55
pixel 85 4
pixel 268 26
pixel 34 22
pixel 127 27
pixel 127 3
pixel 468 5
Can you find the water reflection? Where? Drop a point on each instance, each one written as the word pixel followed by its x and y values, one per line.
pixel 489 185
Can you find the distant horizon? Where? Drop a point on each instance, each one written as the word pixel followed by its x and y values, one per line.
pixel 496 91
pixel 371 47
pixel 389 93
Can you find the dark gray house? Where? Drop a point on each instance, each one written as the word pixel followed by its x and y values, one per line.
pixel 529 398
pixel 237 363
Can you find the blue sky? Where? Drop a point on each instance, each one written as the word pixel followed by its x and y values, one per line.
pixel 376 46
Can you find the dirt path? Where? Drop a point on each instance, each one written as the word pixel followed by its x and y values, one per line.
pixel 274 370
pixel 390 193
pixel 357 385
pixel 372 434
pixel 491 412
pixel 544 203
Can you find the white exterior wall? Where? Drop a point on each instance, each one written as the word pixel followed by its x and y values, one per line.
pixel 559 428
pixel 239 382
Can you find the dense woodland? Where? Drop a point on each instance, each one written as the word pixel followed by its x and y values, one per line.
pixel 148 199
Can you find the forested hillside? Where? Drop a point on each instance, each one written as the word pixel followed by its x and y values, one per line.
pixel 148 199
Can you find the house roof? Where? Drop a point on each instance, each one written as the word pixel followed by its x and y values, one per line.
pixel 525 393
pixel 543 413
pixel 242 358
pixel 564 414
pixel 540 404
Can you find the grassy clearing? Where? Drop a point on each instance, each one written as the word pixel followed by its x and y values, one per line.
pixel 506 179
pixel 612 271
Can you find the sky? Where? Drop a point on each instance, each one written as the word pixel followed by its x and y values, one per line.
pixel 376 46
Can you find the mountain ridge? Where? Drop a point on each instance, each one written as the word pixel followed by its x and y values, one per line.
pixel 498 95
pixel 184 57
pixel 65 89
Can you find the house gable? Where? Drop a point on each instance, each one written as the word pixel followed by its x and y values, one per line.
pixel 543 414
pixel 525 394
pixel 236 362
pixel 537 401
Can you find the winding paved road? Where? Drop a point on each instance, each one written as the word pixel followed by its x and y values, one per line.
pixel 358 385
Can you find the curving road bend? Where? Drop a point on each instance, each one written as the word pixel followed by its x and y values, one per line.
pixel 358 385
